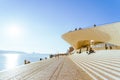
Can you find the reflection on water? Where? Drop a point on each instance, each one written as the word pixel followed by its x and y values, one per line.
pixel 11 60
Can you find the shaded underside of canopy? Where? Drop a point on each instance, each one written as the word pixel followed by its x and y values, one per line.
pixel 109 33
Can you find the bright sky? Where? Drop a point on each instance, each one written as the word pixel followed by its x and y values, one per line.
pixel 37 25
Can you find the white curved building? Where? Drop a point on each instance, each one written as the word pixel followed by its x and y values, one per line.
pixel 108 33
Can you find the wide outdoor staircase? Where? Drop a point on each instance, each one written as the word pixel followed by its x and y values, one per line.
pixel 102 65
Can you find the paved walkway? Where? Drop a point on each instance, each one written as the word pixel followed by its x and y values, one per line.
pixel 61 68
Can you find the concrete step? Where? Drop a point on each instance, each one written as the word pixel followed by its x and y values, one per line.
pixel 102 65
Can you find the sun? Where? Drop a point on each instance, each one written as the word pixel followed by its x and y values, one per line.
pixel 14 31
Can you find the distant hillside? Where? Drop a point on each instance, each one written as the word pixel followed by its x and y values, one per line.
pixel 5 51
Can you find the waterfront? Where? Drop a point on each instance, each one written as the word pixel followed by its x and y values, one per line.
pixel 11 60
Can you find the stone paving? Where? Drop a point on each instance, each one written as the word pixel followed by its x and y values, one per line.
pixel 61 68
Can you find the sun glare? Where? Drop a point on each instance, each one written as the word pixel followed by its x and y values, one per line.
pixel 14 31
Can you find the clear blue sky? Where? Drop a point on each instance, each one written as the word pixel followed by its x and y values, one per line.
pixel 42 22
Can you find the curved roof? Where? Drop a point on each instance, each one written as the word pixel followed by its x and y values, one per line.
pixel 105 33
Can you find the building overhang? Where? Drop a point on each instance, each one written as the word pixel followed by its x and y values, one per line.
pixel 105 33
